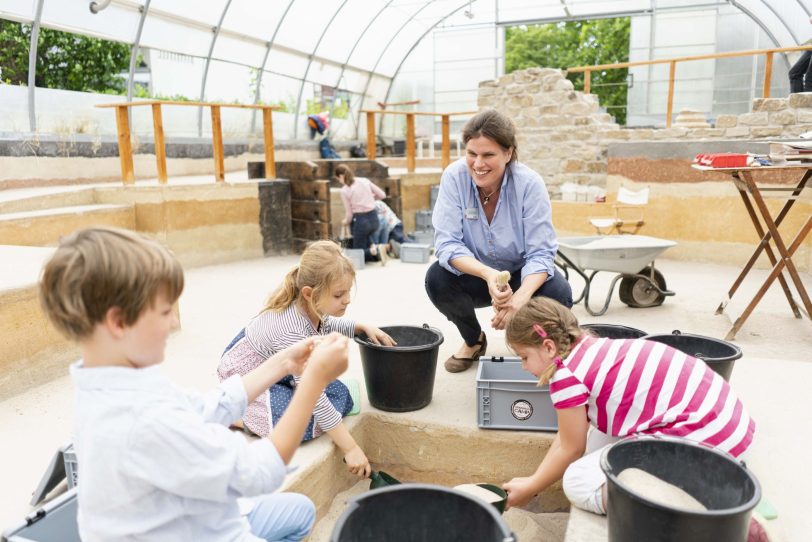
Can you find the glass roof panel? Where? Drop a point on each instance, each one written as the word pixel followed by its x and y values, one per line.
pixel 118 22
pixel 17 10
pixel 305 22
pixel 286 62
pixel 347 27
pixel 207 12
pixel 166 33
pixel 243 50
pixel 255 18
pixel 372 43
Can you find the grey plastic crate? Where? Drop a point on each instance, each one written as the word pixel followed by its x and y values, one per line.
pixel 424 237
pixel 422 219
pixel 414 253
pixel 54 522
pixel 508 398
pixel 356 256
pixel 71 465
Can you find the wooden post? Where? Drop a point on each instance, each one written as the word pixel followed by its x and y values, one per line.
pixel 587 81
pixel 768 73
pixel 270 162
pixel 160 147
pixel 370 135
pixel 410 143
pixel 671 71
pixel 125 148
pixel 446 141
pixel 217 144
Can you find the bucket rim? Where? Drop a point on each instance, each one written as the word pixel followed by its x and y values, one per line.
pixel 419 348
pixel 737 352
pixel 354 503
pixel 607 470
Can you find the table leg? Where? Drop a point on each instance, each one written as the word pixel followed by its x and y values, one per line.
pixel 776 271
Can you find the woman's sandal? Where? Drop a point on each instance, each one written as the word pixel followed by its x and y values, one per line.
pixel 458 365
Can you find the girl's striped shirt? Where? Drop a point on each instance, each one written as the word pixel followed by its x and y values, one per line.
pixel 632 386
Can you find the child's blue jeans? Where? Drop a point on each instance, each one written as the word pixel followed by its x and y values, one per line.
pixel 381 235
pixel 282 517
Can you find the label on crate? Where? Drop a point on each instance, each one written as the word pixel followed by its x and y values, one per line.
pixel 521 409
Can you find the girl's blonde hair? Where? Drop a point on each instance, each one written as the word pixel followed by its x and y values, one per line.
pixel 321 265
pixel 343 169
pixel 557 321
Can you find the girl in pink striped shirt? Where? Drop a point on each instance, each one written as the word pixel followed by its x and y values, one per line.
pixel 604 390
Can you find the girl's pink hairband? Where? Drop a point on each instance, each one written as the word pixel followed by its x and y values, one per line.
pixel 540 330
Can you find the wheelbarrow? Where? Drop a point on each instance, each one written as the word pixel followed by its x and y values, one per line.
pixel 631 256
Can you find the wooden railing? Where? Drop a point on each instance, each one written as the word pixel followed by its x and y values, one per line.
pixel 125 149
pixel 410 141
pixel 768 69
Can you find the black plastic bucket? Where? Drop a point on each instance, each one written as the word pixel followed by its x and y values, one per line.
pixel 401 378
pixel 722 484
pixel 613 331
pixel 718 354
pixel 410 512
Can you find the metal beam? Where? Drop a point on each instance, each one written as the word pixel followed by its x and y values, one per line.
pixel 134 50
pixel 216 31
pixel 32 68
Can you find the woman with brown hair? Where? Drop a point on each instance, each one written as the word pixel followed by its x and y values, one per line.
pixel 492 214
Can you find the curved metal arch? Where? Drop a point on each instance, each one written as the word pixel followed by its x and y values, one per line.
pixel 216 30
pixel 307 69
pixel 349 55
pixel 264 61
pixel 32 68
pixel 803 7
pixel 770 7
pixel 412 48
pixel 383 51
pixel 134 49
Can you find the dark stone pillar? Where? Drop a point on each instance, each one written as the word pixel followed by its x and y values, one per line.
pixel 274 217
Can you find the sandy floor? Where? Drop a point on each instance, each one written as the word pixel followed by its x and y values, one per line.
pixel 772 378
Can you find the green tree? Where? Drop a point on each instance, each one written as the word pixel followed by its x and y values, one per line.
pixel 64 60
pixel 576 43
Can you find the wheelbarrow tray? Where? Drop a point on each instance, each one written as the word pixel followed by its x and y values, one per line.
pixel 626 254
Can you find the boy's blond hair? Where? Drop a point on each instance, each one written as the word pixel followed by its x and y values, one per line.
pixel 321 265
pixel 96 269
pixel 557 321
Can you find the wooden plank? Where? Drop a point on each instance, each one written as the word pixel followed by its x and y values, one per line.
pixel 309 229
pixel 310 190
pixel 768 74
pixel 160 146
pixel 419 113
pixel 410 151
pixel 125 148
pixel 671 71
pixel 217 144
pixel 587 81
pixel 191 103
pixel 310 210
pixel 446 124
pixel 267 123
pixel 370 135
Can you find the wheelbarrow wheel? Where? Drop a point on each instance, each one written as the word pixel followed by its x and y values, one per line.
pixel 638 292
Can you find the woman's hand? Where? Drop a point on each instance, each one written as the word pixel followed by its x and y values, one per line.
pixel 375 335
pixel 499 296
pixel 357 462
pixel 505 311
pixel 344 222
pixel 520 491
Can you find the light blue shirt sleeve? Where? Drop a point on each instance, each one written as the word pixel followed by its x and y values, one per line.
pixel 520 236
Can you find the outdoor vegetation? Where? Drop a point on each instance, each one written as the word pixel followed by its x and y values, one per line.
pixel 576 43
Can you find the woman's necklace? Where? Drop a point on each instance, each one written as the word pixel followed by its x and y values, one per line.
pixel 487 197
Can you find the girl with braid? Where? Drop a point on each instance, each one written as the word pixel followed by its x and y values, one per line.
pixel 607 389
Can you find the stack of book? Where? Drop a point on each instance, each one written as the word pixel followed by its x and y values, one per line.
pixel 792 152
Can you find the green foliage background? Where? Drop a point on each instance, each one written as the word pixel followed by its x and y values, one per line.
pixel 576 43
pixel 64 60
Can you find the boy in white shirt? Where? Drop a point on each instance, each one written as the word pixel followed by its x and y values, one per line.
pixel 159 463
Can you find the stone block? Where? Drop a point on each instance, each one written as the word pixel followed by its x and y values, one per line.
pixel 705 133
pixel 640 134
pixel 506 80
pixel 548 71
pixel 614 134
pixel 489 83
pixel 564 84
pixel 769 104
pixel 521 100
pixel 487 91
pixel 766 131
pixel 726 121
pixel 801 99
pixel 737 131
pixel 578 108
pixel 532 88
pixel 485 101
pixel 597 167
pixel 669 133
pixel 754 119
pixel 549 109
pixel 787 116
pixel 515 89
pixel 553 120
pixel 803 115
pixel 572 166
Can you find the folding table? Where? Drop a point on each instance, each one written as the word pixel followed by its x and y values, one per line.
pixel 748 190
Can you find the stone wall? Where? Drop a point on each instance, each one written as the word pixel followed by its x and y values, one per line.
pixel 564 136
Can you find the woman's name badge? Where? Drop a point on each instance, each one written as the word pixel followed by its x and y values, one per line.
pixel 471 213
